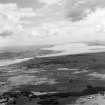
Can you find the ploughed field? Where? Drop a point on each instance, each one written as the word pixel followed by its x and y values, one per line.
pixel 59 80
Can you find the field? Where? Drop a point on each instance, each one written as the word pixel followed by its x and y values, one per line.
pixel 68 75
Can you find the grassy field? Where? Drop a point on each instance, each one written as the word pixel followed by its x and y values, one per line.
pixel 70 73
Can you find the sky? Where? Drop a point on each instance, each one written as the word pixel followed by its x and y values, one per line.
pixel 38 22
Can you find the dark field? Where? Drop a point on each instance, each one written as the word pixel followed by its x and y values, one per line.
pixel 59 80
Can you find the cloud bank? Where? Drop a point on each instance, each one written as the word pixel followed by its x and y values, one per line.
pixel 34 22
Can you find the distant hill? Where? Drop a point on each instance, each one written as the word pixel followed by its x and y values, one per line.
pixel 22 52
pixel 88 61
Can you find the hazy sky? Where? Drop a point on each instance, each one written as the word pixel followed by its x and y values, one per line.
pixel 26 22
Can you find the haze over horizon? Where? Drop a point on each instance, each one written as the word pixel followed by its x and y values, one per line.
pixel 38 22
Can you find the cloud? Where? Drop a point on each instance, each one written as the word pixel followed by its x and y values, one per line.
pixel 75 10
pixel 78 9
pixel 50 2
pixel 72 10
pixel 14 13
pixel 72 20
pixel 10 18
pixel 24 3
pixel 6 33
pixel 66 31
